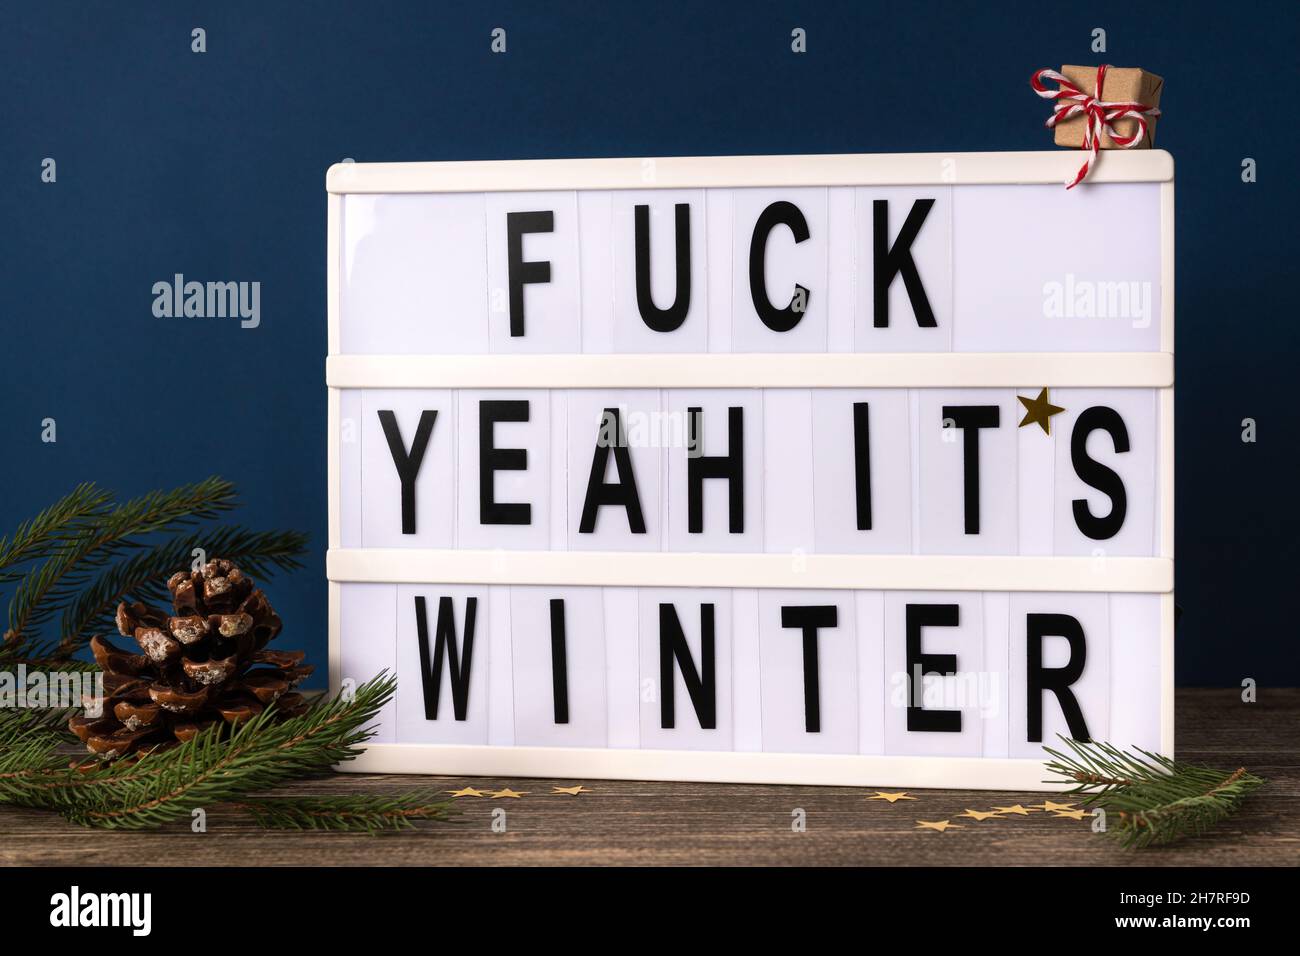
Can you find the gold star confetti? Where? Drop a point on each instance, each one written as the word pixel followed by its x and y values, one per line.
pixel 467 792
pixel 1072 814
pixel 891 797
pixel 507 792
pixel 1039 411
pixel 571 791
pixel 980 814
pixel 1050 805
pixel 940 825
pixel 1017 809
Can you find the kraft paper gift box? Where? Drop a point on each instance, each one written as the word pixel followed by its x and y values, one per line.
pixel 1123 84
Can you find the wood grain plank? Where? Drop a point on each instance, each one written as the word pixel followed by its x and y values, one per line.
pixel 642 823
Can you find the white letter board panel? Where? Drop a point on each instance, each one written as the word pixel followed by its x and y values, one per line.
pixel 774 469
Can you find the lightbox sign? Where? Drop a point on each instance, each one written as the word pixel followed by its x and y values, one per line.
pixel 810 469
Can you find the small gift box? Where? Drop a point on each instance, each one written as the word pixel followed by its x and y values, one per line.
pixel 1121 84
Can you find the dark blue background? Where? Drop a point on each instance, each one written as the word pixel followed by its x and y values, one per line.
pixel 213 165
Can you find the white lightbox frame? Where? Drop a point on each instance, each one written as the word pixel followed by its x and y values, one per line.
pixel 1152 575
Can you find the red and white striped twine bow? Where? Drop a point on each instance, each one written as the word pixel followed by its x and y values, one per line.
pixel 1100 115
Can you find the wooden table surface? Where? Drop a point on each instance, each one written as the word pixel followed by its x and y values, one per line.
pixel 626 822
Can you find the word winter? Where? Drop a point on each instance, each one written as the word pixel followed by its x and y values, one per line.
pixel 733 669
pixel 447 657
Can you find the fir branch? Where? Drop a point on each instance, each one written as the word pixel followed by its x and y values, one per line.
pixel 49 719
pixel 39 537
pixel 1156 800
pixel 44 590
pixel 369 813
pixel 29 752
pixel 43 657
pixel 140 577
pixel 261 753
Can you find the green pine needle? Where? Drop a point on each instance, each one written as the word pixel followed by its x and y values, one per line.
pixel 63 575
pixel 84 554
pixel 141 577
pixel 30 742
pixel 81 557
pixel 39 537
pixel 1151 801
pixel 369 813
pixel 168 785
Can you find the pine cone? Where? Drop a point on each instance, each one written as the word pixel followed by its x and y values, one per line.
pixel 204 664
